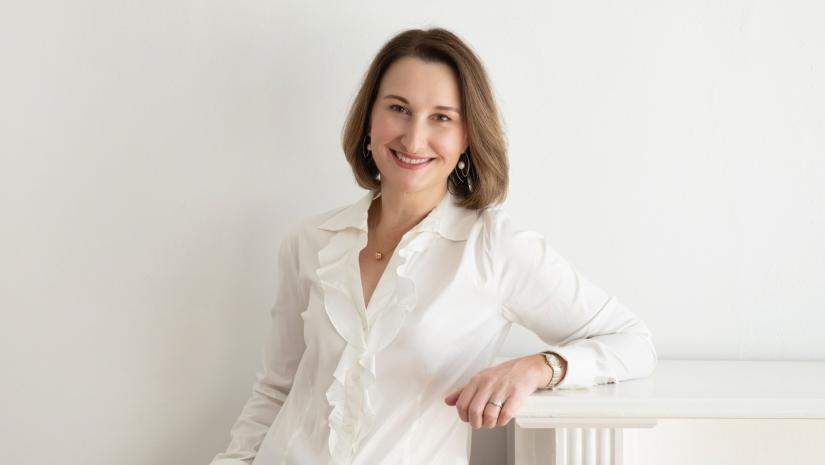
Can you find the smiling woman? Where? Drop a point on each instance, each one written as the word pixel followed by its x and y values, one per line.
pixel 389 311
pixel 415 146
pixel 426 91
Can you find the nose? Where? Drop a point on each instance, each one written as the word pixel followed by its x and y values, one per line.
pixel 414 138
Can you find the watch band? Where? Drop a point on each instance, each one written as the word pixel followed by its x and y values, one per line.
pixel 554 361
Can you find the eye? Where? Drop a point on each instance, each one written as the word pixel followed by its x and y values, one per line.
pixel 446 118
pixel 394 107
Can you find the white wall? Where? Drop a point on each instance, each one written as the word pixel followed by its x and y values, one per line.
pixel 153 154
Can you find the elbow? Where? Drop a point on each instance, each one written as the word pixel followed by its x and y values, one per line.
pixel 644 356
pixel 646 350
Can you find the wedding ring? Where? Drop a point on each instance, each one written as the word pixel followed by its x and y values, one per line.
pixel 497 403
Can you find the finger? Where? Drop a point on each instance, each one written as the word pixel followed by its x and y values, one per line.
pixel 477 406
pixel 511 406
pixel 463 403
pixel 492 412
pixel 452 398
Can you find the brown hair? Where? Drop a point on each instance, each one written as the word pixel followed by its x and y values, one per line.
pixel 487 144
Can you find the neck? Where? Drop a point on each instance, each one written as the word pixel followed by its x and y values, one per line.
pixel 398 212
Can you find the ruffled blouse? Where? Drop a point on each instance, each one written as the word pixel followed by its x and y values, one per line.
pixel 347 384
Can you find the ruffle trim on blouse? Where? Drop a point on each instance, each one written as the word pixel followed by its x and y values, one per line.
pixel 352 390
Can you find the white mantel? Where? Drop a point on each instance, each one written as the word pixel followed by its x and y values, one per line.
pixel 585 426
pixel 697 389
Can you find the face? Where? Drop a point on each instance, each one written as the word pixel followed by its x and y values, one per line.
pixel 417 131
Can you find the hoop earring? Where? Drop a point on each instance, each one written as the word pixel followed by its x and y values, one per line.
pixel 367 152
pixel 462 170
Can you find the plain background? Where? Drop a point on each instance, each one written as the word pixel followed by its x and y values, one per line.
pixel 155 152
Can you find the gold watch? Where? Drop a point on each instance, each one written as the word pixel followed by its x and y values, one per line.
pixel 554 361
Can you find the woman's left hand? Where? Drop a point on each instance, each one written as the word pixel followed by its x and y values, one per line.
pixel 510 382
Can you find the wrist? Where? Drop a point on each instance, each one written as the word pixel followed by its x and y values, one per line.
pixel 546 373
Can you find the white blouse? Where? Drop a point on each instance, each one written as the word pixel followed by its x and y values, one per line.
pixel 345 384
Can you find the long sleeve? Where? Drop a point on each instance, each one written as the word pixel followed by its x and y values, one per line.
pixel 282 351
pixel 600 338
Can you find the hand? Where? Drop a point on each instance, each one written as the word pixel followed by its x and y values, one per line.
pixel 510 382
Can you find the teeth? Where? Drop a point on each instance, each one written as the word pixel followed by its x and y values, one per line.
pixel 410 161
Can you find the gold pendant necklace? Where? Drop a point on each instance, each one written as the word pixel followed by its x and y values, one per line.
pixel 378 255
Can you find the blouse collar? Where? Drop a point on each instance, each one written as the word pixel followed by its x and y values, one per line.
pixel 448 219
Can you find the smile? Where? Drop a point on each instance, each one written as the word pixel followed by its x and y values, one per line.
pixel 410 163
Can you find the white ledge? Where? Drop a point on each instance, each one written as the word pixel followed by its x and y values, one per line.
pixel 696 389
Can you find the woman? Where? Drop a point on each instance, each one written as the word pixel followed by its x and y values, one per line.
pixel 389 311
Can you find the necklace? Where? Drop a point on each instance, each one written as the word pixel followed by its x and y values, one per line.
pixel 379 255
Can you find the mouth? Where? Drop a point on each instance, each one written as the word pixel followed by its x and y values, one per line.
pixel 410 163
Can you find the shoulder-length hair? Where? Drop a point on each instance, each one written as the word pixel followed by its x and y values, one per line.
pixel 487 143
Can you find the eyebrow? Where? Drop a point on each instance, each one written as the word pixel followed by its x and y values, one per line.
pixel 438 107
